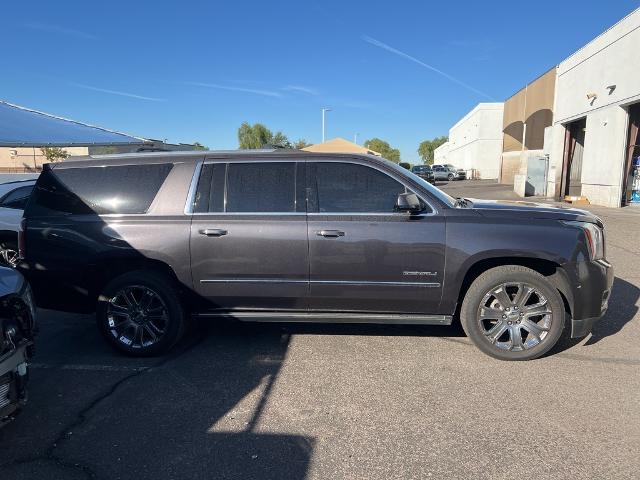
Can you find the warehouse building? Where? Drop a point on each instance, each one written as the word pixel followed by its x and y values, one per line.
pixel 475 142
pixel 597 117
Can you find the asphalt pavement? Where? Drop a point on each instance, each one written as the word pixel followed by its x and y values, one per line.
pixel 337 401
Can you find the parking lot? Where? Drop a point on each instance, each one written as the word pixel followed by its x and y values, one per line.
pixel 338 401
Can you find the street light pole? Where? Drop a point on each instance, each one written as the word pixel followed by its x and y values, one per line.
pixel 323 112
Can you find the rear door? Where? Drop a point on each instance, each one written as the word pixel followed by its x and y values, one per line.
pixel 249 235
pixel 365 257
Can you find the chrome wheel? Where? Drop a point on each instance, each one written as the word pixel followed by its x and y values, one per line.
pixel 137 316
pixel 9 256
pixel 515 316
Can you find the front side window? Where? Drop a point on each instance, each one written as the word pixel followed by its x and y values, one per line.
pixel 353 188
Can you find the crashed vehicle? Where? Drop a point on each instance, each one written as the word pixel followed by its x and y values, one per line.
pixel 17 329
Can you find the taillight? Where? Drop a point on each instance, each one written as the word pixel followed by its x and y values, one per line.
pixel 21 238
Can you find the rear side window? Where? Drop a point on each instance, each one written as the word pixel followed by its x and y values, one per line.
pixel 353 188
pixel 261 187
pixel 252 187
pixel 98 190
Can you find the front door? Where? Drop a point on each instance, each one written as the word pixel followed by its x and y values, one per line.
pixel 249 236
pixel 364 257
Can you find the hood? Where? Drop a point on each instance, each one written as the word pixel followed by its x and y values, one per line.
pixel 524 209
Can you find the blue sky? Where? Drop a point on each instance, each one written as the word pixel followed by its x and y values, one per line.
pixel 193 71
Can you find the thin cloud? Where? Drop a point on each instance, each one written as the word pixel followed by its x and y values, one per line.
pixel 264 93
pixel 57 29
pixel 384 46
pixel 116 92
pixel 301 89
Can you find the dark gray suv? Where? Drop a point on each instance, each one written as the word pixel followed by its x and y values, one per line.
pixel 149 240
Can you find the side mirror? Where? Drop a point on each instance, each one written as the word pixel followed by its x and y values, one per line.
pixel 408 202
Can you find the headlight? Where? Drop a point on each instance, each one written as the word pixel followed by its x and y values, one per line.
pixel 594 236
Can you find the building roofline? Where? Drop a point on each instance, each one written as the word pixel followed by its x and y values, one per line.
pixel 475 109
pixel 604 32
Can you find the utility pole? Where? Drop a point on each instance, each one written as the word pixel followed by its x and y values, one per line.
pixel 323 112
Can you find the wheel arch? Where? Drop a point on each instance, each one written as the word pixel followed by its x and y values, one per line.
pixel 99 274
pixel 553 271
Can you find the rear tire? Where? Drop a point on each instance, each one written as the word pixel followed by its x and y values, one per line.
pixel 140 313
pixel 513 313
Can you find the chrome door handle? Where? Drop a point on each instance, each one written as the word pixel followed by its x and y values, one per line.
pixel 330 233
pixel 213 232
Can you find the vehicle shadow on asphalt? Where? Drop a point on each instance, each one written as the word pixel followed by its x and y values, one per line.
pixel 195 413
pixel 622 309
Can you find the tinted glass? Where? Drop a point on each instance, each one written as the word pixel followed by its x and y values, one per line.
pixel 17 198
pixel 210 191
pixel 352 188
pixel 261 187
pixel 101 190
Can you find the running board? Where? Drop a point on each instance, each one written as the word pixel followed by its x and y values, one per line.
pixel 327 317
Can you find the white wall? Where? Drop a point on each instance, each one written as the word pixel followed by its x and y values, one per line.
pixel 611 59
pixel 475 142
pixel 440 154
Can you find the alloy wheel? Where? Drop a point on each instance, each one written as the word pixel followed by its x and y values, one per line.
pixel 137 316
pixel 515 316
pixel 9 257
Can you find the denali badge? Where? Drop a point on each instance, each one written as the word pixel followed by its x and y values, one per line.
pixel 420 274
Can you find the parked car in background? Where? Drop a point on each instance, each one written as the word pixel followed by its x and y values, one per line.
pixel 13 199
pixel 425 172
pixel 147 240
pixel 17 329
pixel 441 172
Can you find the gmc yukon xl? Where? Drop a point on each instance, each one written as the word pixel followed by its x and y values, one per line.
pixel 147 241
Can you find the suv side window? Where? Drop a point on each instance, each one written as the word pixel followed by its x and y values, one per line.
pixel 17 198
pixel 98 190
pixel 352 188
pixel 261 187
pixel 251 187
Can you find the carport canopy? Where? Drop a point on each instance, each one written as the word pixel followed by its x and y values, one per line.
pixel 23 127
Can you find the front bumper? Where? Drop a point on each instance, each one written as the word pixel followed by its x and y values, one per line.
pixel 591 291
pixel 13 380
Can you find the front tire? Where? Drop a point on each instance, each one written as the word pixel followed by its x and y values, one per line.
pixel 513 313
pixel 140 313
pixel 450 177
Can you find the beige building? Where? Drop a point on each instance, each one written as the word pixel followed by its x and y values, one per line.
pixel 339 145
pixel 526 116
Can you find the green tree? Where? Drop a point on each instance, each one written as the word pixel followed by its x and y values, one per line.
pixel 300 144
pixel 406 165
pixel 427 148
pixel 54 154
pixel 199 146
pixel 384 149
pixel 258 135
